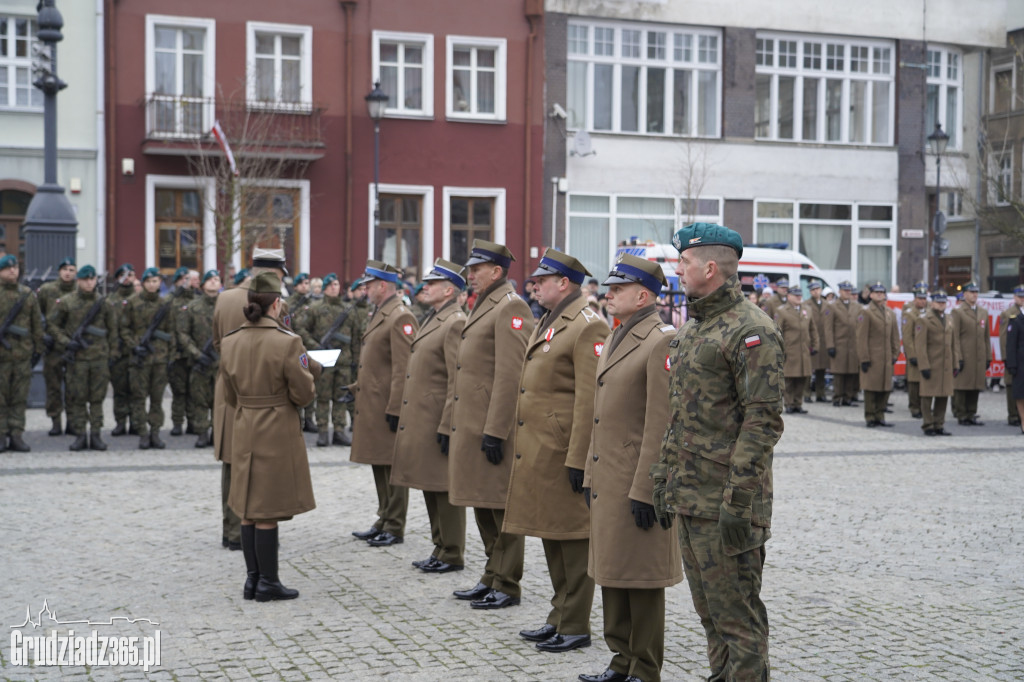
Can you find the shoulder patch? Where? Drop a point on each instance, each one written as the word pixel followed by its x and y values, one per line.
pixel 668 362
pixel 407 329
pixel 752 341
pixel 598 349
pixel 304 361
pixel 517 323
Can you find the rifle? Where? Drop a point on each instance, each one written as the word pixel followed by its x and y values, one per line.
pixel 145 343
pixel 69 355
pixel 208 354
pixel 330 334
pixel 8 326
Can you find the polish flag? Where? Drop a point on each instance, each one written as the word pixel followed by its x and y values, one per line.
pixel 222 140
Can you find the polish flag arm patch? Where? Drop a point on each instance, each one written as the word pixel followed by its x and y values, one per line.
pixel 407 329
pixel 517 323
pixel 668 363
pixel 752 341
pixel 598 349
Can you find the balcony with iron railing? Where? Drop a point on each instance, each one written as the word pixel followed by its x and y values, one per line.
pixel 179 125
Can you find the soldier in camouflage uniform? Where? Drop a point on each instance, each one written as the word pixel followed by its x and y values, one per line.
pixel 53 361
pixel 714 475
pixel 119 355
pixel 147 312
pixel 180 366
pixel 21 345
pixel 195 341
pixel 331 314
pixel 299 303
pixel 87 353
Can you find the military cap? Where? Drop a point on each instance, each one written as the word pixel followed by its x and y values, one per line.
pixel 920 284
pixel 488 252
pixel 8 261
pixel 796 291
pixel 971 286
pixel 445 269
pixel 242 274
pixel 877 287
pixel 920 292
pixel 86 271
pixel 555 262
pixel 125 267
pixel 939 296
pixel 269 258
pixel 328 278
pixel 814 285
pixel 360 281
pixel 782 283
pixel 300 278
pixel 265 283
pixel 178 274
pixel 1018 290
pixel 66 261
pixel 707 234
pixel 630 269
pixel 207 275
pixel 846 285
pixel 151 272
pixel 376 269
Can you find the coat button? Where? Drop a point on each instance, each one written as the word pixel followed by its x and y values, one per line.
pixel 595 458
pixel 406 376
pixel 520 422
pixel 402 427
pixel 596 420
pixel 463 336
pixel 522 390
pixel 458 366
pixel 518 456
pixel 456 397
pixel 530 356
pixel 593 495
pixel 600 382
pixel 405 402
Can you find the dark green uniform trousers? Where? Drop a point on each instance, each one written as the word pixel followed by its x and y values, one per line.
pixel 505 552
pixel 53 376
pixel 87 386
pixel 726 592
pixel 574 589
pixel 1012 418
pixel 178 376
pixel 874 405
pixel 634 629
pixel 914 396
pixel 447 527
pixel 392 502
pixel 795 391
pixel 844 387
pixel 965 404
pixel 933 412
pixel 232 527
pixel 148 381
pixel 15 378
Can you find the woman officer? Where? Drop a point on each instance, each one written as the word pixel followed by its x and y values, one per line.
pixel 268 377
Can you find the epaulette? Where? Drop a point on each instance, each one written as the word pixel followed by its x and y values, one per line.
pixel 286 331
pixel 668 328
pixel 589 314
pixel 509 295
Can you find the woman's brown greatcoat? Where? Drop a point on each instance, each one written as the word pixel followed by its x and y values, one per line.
pixel 878 342
pixel 936 350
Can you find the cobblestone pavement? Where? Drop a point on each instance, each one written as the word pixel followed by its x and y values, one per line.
pixel 894 556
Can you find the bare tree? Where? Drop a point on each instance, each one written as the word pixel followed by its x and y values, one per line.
pixel 695 166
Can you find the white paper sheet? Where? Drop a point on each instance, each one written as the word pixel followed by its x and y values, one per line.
pixel 327 358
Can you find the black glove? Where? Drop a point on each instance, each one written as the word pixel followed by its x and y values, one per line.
pixel 814 351
pixel 926 374
pixel 1012 371
pixel 913 361
pixel 734 530
pixel 576 479
pixel 74 346
pixel 204 360
pixel 831 352
pixel 48 341
pixel 443 440
pixel 392 422
pixel 140 351
pixel 865 366
pixel 586 496
pixel 643 514
pixel 492 448
pixel 34 360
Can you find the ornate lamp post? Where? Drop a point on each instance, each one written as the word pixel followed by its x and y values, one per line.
pixel 376 102
pixel 937 143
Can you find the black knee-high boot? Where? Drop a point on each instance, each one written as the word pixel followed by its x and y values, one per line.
pixel 269 587
pixel 251 565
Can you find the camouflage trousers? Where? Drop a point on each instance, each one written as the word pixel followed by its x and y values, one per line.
pixel 148 381
pixel 329 387
pixel 15 378
pixel 178 376
pixel 53 376
pixel 200 393
pixel 121 384
pixel 86 387
pixel 726 592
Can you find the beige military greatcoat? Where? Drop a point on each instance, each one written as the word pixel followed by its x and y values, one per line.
pixel 911 315
pixel 554 420
pixel 878 342
pixel 936 350
pixel 799 338
pixel 267 376
pixel 383 365
pixel 486 387
pixel 840 322
pixel 970 327
pixel 227 317
pixel 427 402
pixel 631 413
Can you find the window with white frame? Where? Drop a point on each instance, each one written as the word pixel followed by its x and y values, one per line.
pixel 953 204
pixel 279 65
pixel 475 78
pixel 942 100
pixel 179 76
pixel 848 240
pixel 404 65
pixel 599 223
pixel 1001 189
pixel 824 89
pixel 17 34
pixel 651 80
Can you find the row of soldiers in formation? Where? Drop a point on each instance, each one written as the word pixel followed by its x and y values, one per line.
pixel 860 344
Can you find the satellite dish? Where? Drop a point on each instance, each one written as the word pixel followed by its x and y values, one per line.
pixel 581 144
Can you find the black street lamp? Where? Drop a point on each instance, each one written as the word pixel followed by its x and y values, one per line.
pixel 376 102
pixel 937 142
pixel 50 223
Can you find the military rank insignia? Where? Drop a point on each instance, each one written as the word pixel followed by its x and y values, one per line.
pixel 517 323
pixel 407 329
pixel 304 361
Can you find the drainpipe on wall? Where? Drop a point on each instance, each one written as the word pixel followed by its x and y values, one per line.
pixel 977 202
pixel 534 11
pixel 110 85
pixel 101 151
pixel 348 6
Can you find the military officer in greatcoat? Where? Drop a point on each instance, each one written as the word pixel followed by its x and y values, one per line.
pixel 124 278
pixel 486 387
pixel 1015 310
pixel 970 326
pixel 912 311
pixel 425 425
pixel 551 439
pixel 878 347
pixel 632 557
pixel 840 322
pixel 195 341
pixel 819 361
pixel 800 339
pixel 53 361
pixel 383 365
pixel 21 346
pixel 937 356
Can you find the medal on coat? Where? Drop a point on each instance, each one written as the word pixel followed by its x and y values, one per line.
pixel 549 333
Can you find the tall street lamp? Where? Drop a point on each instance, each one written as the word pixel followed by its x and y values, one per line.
pixel 376 102
pixel 937 142
pixel 50 223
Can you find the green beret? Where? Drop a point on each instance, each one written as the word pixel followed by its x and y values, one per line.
pixel 86 271
pixel 125 267
pixel 265 283
pixel 300 278
pixel 178 274
pixel 240 277
pixel 151 272
pixel 356 284
pixel 8 261
pixel 66 261
pixel 707 234
pixel 328 278
pixel 208 274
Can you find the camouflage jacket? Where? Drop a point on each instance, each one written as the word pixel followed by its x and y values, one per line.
pixel 181 298
pixel 25 333
pixel 362 315
pixel 195 328
pixel 725 398
pixel 319 318
pixel 69 313
pixel 135 320
pixel 50 292
pixel 118 300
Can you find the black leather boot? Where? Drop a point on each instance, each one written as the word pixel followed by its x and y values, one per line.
pixel 154 440
pixel 17 444
pixel 204 439
pixel 95 442
pixel 269 588
pixel 190 430
pixel 310 426
pixel 3 443
pixel 252 569
pixel 144 442
pixel 176 430
pixel 133 430
pixel 341 438
pixel 323 439
pixel 56 430
pixel 119 429
pixel 81 443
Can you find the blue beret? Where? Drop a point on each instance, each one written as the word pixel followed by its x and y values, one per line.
pixel 151 272
pixel 707 234
pixel 208 274
pixel 8 261
pixel 86 271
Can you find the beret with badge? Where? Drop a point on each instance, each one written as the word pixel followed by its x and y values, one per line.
pixel 707 234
